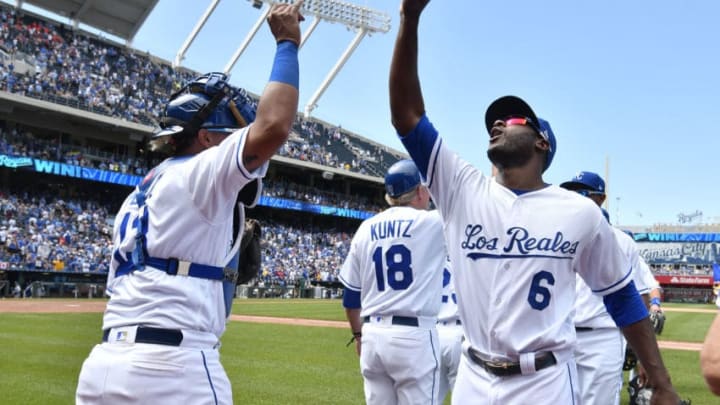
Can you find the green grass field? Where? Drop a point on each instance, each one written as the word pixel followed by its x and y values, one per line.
pixel 267 364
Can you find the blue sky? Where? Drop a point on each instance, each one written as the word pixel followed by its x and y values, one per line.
pixel 631 83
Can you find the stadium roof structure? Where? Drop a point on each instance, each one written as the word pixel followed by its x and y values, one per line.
pixel 120 18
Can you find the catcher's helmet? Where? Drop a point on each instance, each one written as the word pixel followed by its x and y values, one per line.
pixel 401 177
pixel 209 101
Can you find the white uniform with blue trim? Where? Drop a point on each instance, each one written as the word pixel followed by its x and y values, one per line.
pixel 190 208
pixel 450 333
pixel 514 259
pixel 600 349
pixel 395 262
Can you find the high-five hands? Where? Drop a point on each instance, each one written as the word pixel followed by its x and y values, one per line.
pixel 284 20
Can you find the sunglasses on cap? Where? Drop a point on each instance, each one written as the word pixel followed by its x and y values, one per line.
pixel 588 193
pixel 520 120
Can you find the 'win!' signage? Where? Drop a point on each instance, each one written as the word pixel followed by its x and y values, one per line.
pixel 63 169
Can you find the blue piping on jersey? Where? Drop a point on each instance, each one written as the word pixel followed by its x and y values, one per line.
pixel 208 376
pixel 348 285
pixel 621 280
pixel 242 168
pixel 432 346
pixel 476 256
pixel 434 164
pixel 521 192
pixel 572 389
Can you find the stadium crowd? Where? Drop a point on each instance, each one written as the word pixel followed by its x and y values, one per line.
pixel 291 254
pixel 46 233
pixel 64 66
pixel 17 140
pixel 42 232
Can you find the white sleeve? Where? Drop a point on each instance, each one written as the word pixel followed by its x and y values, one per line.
pixel 216 175
pixel 446 177
pixel 602 264
pixel 350 272
pixel 644 277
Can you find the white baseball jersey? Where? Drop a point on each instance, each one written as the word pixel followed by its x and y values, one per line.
pixel 590 311
pixel 395 260
pixel 450 335
pixel 190 207
pixel 448 301
pixel 515 255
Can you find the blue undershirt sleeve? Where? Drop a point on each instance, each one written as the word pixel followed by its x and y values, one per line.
pixel 625 305
pixel 351 299
pixel 420 142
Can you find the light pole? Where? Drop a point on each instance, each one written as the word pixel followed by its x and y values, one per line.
pixel 363 20
pixel 617 211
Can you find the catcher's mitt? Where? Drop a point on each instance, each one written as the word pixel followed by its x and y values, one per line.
pixel 630 359
pixel 658 321
pixel 250 260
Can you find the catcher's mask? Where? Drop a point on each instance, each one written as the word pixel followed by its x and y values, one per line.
pixel 208 101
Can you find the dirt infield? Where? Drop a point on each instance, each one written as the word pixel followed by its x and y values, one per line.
pixel 73 305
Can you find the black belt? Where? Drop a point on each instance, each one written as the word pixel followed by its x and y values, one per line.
pixel 583 329
pixel 508 368
pixel 456 322
pixel 400 320
pixel 144 334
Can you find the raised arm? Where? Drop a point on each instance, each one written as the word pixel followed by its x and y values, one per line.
pixel 279 100
pixel 710 357
pixel 406 100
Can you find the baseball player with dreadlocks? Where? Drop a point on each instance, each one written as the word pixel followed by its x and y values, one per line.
pixel 393 278
pixel 173 234
pixel 516 243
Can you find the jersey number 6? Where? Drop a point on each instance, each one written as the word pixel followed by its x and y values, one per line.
pixel 539 296
pixel 399 272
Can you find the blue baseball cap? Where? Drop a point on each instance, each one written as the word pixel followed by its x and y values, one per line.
pixel 512 105
pixel 401 178
pixel 585 181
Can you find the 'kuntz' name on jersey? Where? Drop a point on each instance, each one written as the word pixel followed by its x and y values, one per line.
pixel 395 228
pixel 520 241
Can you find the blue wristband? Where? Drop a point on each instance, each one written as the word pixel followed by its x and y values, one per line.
pixel 286 68
pixel 655 301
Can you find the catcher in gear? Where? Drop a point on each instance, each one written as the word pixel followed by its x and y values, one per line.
pixel 171 240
